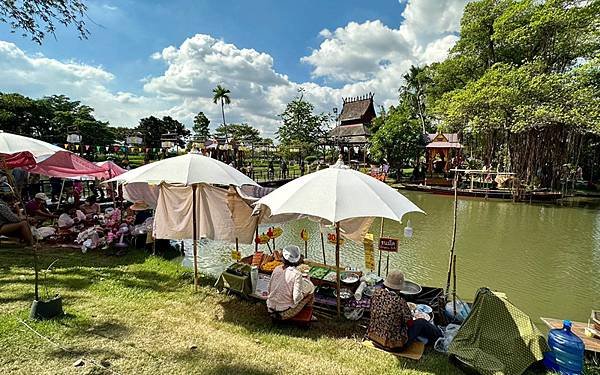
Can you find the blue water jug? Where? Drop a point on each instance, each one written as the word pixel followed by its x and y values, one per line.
pixel 567 352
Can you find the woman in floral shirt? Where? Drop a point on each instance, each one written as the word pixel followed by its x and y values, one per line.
pixel 392 326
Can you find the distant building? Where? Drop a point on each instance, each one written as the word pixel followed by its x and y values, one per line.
pixel 354 121
pixel 442 146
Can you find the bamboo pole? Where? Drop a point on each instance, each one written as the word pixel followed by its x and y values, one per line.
pixel 337 267
pixel 451 258
pixel 195 235
pixel 454 282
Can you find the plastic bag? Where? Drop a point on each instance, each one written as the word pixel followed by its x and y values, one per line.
pixel 442 344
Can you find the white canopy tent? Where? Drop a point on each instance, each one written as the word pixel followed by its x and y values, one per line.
pixel 13 143
pixel 190 170
pixel 336 194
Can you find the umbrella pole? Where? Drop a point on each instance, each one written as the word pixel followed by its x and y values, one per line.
pixel 62 188
pixel 256 242
pixel 323 248
pixel 380 253
pixel 195 235
pixel 337 267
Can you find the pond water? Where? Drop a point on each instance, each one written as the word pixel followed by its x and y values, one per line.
pixel 546 258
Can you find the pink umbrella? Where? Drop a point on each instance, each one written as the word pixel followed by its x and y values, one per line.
pixel 113 170
pixel 66 164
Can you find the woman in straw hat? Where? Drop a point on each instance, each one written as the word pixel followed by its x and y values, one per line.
pixel 392 326
pixel 289 293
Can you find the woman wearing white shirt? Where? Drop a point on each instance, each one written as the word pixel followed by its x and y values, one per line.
pixel 289 293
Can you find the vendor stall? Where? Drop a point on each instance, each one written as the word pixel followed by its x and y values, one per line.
pixel 330 197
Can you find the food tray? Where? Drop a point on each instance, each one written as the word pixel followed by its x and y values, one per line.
pixel 318 272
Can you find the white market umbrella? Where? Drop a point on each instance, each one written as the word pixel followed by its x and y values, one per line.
pixel 13 143
pixel 335 194
pixel 188 170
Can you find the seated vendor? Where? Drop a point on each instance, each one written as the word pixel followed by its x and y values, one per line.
pixel 90 208
pixel 289 293
pixel 392 326
pixel 68 218
pixel 12 225
pixel 36 208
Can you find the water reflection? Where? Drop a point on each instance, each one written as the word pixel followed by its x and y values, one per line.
pixel 545 257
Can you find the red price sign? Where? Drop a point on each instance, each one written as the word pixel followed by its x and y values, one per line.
pixel 388 244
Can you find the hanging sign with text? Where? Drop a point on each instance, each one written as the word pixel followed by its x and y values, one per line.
pixel 388 244
pixel 369 252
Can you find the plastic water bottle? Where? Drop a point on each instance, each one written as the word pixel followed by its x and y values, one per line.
pixel 566 355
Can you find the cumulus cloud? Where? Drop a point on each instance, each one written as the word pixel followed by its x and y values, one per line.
pixel 358 57
pixel 368 50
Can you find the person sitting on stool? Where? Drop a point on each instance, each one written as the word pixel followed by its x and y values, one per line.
pixel 12 225
pixel 392 326
pixel 289 293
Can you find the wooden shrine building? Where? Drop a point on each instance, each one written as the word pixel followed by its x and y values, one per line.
pixel 440 150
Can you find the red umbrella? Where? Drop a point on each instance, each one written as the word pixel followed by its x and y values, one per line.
pixel 66 164
pixel 17 160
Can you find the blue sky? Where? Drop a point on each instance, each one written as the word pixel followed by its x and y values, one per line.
pixel 162 57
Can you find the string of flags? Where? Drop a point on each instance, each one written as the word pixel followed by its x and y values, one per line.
pixel 115 149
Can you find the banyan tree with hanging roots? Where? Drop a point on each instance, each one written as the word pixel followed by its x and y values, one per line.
pixel 522 88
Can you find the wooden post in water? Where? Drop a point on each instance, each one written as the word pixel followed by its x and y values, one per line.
pixel 451 258
pixel 454 282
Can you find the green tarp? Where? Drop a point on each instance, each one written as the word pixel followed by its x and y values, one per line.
pixel 498 338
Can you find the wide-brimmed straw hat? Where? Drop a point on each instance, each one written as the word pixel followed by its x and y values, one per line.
pixel 394 280
pixel 291 253
pixel 139 206
pixel 41 196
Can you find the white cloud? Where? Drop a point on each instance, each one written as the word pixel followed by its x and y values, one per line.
pixel 371 49
pixel 363 57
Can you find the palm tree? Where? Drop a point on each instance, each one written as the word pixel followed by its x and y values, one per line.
pixel 222 94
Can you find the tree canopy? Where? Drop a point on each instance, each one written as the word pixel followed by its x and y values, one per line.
pixel 300 125
pixel 52 118
pixel 37 18
pixel 399 137
pixel 239 132
pixel 521 84
pixel 153 128
pixel 200 127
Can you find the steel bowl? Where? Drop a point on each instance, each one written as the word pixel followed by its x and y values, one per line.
pixel 411 288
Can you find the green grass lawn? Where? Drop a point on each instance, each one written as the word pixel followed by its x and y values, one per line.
pixel 138 314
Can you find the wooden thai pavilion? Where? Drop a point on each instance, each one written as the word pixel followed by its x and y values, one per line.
pixel 444 146
pixel 354 121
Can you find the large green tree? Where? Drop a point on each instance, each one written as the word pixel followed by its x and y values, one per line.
pixel 239 132
pixel 301 125
pixel 519 84
pixel 399 138
pixel 201 126
pixel 153 129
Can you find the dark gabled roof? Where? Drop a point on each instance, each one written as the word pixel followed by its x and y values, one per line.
pixel 346 131
pixel 355 109
pixel 450 137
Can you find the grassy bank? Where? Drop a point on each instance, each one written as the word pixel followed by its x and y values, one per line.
pixel 138 314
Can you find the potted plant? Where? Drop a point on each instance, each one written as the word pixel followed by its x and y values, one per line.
pixel 51 306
